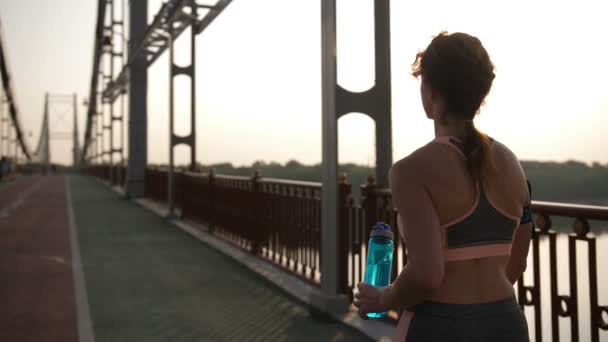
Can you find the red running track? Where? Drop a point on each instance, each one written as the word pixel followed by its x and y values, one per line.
pixel 36 282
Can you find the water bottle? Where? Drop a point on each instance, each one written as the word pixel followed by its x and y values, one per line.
pixel 379 259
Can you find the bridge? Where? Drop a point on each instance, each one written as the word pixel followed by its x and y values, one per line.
pixel 121 250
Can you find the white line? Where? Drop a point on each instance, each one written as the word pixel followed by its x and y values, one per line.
pixel 6 211
pixel 85 325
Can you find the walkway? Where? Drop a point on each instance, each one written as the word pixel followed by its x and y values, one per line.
pixel 36 283
pixel 146 280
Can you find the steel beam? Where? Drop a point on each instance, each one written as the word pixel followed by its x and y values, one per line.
pixel 376 101
pixel 337 101
pixel 75 144
pixel 170 12
pixel 331 300
pixel 116 25
pixel 138 102
pixel 92 110
pixel 383 104
pixel 108 78
pixel 170 22
pixel 9 95
pixel 3 123
pixel 174 139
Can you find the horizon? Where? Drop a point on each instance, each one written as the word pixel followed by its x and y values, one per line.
pixel 249 74
pixel 283 164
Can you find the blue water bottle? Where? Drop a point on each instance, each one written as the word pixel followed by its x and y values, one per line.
pixel 379 259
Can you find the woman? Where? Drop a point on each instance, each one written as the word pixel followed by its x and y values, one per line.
pixel 464 212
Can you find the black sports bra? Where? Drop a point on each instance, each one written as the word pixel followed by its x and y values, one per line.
pixel 484 230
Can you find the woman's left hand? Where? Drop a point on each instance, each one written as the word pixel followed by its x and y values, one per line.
pixel 371 299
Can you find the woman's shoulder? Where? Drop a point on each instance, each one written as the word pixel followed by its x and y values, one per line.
pixel 427 155
pixel 502 157
pixel 504 169
pixel 501 149
pixel 416 165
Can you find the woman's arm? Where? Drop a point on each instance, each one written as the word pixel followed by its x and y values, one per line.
pixel 519 252
pixel 425 267
pixel 521 242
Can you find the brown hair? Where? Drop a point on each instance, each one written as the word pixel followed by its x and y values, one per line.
pixel 459 68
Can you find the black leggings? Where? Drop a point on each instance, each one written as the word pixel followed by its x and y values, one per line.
pixel 493 322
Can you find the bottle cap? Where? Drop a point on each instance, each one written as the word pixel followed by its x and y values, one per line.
pixel 382 229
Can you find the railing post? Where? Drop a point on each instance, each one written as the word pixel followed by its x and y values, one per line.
pixel 179 192
pixel 369 204
pixel 147 185
pixel 256 214
pixel 212 191
pixel 345 199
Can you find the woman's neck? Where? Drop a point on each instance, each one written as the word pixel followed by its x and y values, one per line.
pixel 453 129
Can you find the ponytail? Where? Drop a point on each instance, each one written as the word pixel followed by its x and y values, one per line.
pixel 458 68
pixel 474 146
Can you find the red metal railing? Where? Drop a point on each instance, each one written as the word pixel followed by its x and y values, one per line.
pixel 116 175
pixel 156 183
pixel 276 219
pixel 566 305
pixel 375 206
pixel 291 225
pixel 279 221
pixel 100 171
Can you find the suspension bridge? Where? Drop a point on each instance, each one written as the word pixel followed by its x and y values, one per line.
pixel 120 250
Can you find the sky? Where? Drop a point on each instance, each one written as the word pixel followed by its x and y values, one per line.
pixel 259 76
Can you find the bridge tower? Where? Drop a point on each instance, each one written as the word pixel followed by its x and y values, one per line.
pixel 57 107
pixel 337 101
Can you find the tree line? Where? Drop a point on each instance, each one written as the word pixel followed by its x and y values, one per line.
pixel 570 181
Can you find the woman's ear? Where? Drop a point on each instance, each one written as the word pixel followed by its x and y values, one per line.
pixel 437 103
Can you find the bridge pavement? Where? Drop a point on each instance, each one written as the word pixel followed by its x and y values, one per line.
pixel 141 278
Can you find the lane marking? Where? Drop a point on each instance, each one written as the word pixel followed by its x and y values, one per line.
pixel 85 325
pixel 6 211
pixel 56 259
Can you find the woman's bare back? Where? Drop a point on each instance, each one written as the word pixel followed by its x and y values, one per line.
pixel 444 174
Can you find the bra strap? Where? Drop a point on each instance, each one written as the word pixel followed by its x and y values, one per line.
pixel 453 142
